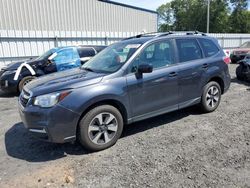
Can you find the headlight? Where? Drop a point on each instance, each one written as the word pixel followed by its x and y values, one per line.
pixel 49 100
pixel 9 72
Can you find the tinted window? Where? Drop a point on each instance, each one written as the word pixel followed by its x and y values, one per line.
pixel 188 49
pixel 209 47
pixel 159 54
pixel 86 52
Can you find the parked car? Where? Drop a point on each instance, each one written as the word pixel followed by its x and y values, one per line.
pixel 243 70
pixel 240 53
pixel 54 60
pixel 132 80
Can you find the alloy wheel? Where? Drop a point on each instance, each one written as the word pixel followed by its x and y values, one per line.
pixel 102 128
pixel 212 96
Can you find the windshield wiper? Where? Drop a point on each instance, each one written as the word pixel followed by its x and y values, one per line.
pixel 88 69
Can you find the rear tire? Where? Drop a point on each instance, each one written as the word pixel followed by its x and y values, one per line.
pixel 100 128
pixel 25 81
pixel 211 97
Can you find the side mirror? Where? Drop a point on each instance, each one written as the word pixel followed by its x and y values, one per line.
pixel 145 68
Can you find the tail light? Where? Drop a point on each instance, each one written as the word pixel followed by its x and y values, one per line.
pixel 227 60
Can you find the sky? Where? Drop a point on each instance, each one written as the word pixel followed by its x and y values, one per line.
pixel 148 4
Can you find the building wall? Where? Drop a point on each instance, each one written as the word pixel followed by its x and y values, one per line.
pixel 30 27
pixel 73 15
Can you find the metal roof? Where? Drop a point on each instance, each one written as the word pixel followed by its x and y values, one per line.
pixel 128 6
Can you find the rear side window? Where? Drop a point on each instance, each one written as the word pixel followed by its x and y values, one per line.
pixel 86 52
pixel 188 49
pixel 209 47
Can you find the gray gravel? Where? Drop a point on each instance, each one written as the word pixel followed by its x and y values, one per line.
pixel 179 149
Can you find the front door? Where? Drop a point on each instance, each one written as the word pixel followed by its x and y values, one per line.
pixel 157 92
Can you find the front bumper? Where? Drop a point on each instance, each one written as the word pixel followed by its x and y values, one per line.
pixel 7 83
pixel 56 124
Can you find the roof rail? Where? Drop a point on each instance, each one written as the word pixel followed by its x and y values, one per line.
pixel 153 34
pixel 141 35
pixel 196 33
pixel 162 34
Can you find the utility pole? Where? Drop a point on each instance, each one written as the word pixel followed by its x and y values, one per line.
pixel 208 15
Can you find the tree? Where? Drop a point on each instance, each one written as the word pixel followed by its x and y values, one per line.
pixel 165 17
pixel 186 15
pixel 239 21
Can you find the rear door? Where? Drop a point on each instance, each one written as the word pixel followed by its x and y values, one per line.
pixel 191 70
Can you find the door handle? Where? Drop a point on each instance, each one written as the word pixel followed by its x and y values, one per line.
pixel 172 74
pixel 205 65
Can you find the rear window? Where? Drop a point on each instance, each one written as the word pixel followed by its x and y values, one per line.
pixel 188 49
pixel 86 52
pixel 209 47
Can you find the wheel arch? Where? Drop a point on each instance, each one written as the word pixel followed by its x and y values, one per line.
pixel 112 102
pixel 220 81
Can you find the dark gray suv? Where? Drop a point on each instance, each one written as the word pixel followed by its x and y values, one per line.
pixel 134 79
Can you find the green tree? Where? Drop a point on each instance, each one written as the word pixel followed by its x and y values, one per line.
pixel 239 21
pixel 165 17
pixel 186 15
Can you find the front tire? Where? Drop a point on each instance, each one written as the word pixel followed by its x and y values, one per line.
pixel 211 97
pixel 100 128
pixel 25 81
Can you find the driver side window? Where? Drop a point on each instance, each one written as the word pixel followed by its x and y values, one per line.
pixel 159 54
pixel 65 56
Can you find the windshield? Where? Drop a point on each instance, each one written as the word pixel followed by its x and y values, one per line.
pixel 47 54
pixel 112 58
pixel 245 45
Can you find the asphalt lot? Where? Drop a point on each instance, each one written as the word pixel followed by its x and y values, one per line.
pixel 179 149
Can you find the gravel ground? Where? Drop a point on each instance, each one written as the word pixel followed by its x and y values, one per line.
pixel 179 149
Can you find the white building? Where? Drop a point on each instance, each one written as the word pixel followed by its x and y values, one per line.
pixel 30 27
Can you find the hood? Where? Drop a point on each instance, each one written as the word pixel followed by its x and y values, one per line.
pixel 15 65
pixel 69 79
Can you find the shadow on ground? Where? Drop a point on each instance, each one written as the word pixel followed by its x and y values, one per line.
pixel 8 94
pixel 161 120
pixel 21 144
pixel 235 80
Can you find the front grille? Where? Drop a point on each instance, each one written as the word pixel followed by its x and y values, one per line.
pixel 23 101
pixel 24 98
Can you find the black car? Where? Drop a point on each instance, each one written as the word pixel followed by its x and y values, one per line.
pixel 16 75
pixel 243 70
pixel 240 53
pixel 132 80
